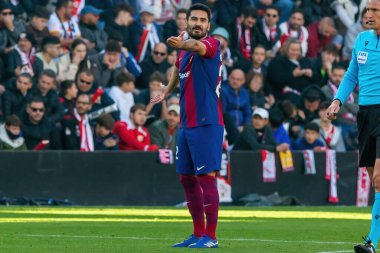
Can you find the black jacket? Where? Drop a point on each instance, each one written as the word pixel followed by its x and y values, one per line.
pixel 148 66
pixel 14 102
pixel 13 61
pixel 70 133
pixel 35 133
pixel 248 140
pixel 53 108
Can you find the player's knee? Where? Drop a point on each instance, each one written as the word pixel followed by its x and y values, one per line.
pixel 376 182
pixel 188 181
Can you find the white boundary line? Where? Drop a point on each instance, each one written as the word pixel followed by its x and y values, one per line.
pixel 336 251
pixel 170 239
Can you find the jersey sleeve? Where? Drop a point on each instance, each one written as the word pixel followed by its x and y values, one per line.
pixel 350 79
pixel 212 46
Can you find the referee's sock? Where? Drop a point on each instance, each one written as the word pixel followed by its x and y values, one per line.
pixel 374 235
pixel 194 199
pixel 211 203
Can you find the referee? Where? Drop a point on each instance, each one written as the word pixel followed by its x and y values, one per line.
pixel 364 70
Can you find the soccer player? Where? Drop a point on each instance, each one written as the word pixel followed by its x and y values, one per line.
pixel 364 71
pixel 199 146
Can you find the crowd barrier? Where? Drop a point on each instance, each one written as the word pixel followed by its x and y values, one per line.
pixel 136 178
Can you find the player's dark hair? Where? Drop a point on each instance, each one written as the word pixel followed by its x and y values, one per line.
pixel 124 77
pixel 250 11
pixel 137 107
pixel 199 7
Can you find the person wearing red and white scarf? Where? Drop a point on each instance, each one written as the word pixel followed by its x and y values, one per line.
pixel 270 32
pixel 76 127
pixel 294 28
pixel 331 135
pixel 246 32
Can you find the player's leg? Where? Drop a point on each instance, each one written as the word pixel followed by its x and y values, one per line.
pixel 369 154
pixel 192 188
pixel 205 145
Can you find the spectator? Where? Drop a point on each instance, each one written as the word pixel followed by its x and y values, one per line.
pixel 285 7
pixel 348 112
pixel 51 48
pixel 108 64
pixel 46 90
pixel 101 101
pixel 257 96
pixel 62 24
pixel 169 9
pixel 269 31
pixel 126 58
pixel 331 135
pixel 156 62
pixel 294 28
pixel 77 133
pixel 290 73
pixel 15 101
pixel 172 56
pixel 89 28
pixel 69 92
pixel 154 111
pixel 145 34
pixel 104 138
pixel 38 25
pixel 346 13
pixel 121 24
pixel 174 27
pixel 22 59
pixel 276 120
pixel 36 128
pixel 75 61
pixel 10 28
pixel 135 137
pixel 323 64
pixel 321 33
pixel 352 33
pixel 246 35
pixel 258 135
pixel 122 95
pixel 163 133
pixel 315 10
pixel 312 97
pixel 236 100
pixel 10 134
pixel 229 57
pixel 294 119
pixel 310 140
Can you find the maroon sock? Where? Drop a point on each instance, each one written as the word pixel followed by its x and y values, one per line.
pixel 194 198
pixel 211 203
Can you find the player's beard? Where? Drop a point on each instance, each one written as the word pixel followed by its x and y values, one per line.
pixel 194 35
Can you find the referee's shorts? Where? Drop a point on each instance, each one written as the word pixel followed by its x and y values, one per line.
pixel 368 121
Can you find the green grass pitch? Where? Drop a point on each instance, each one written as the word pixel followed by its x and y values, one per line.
pixel 154 229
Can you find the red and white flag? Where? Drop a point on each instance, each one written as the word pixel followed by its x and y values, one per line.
pixel 331 172
pixel 363 187
pixel 308 157
pixel 269 166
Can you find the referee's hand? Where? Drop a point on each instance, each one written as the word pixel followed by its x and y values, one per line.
pixel 333 110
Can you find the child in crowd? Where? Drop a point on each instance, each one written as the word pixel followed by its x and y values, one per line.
pixel 310 140
pixel 257 97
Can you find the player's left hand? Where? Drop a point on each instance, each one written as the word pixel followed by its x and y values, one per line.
pixel 176 42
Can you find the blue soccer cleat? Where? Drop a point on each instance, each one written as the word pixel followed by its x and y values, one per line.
pixel 205 242
pixel 190 240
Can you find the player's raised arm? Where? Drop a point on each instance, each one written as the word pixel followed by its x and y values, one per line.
pixel 188 45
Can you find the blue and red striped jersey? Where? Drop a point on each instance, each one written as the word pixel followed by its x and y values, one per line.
pixel 200 85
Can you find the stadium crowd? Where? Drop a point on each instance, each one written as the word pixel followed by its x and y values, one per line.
pixel 79 74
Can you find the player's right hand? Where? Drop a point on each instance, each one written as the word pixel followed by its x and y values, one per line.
pixel 176 42
pixel 333 110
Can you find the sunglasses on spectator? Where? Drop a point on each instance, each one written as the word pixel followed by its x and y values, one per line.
pixel 6 13
pixel 271 15
pixel 86 82
pixel 159 53
pixel 37 109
